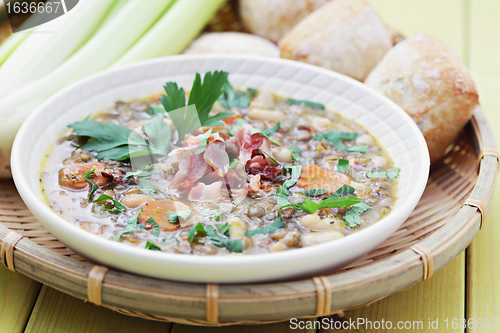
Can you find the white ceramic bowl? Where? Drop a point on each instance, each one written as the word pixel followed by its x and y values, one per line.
pixel 384 119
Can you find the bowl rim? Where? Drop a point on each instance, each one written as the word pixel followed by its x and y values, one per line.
pixel 22 181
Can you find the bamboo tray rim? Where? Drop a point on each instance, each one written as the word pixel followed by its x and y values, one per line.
pixel 320 296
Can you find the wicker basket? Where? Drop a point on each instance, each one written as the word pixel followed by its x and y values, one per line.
pixel 445 221
pixel 447 218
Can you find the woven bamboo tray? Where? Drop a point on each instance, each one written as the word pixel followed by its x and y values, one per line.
pixel 445 221
pixel 443 224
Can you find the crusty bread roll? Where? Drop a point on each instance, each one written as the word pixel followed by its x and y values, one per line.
pixel 430 82
pixel 272 19
pixel 346 36
pixel 233 43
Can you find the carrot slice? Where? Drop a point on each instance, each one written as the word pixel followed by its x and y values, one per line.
pixel 73 176
pixel 314 177
pixel 160 212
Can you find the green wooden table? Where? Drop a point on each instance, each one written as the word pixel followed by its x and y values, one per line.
pixel 469 287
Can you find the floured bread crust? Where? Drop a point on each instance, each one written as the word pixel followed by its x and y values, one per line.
pixel 233 43
pixel 432 84
pixel 272 19
pixel 346 36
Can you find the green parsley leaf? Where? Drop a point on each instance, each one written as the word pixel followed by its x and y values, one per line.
pixel 160 134
pixel 382 174
pixel 295 153
pixel 239 122
pixel 110 141
pixel 261 133
pixel 131 225
pixel 393 174
pixel 272 129
pixel 296 171
pixel 305 103
pixel 314 192
pixel 118 206
pixel 147 190
pixel 209 212
pixel 196 229
pixel 282 196
pixel 272 158
pixel 217 218
pixel 232 99
pixel 87 176
pixel 204 141
pixel 173 217
pixel 203 96
pixel 339 202
pixel 342 166
pixel 343 191
pixel 224 229
pixel 233 245
pixel 336 138
pixel 151 246
pixel 155 110
pixel 309 206
pixel 252 91
pixel 154 224
pixel 268 229
pixel 352 218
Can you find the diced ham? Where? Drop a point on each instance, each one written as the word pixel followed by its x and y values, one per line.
pixel 270 172
pixel 247 143
pixel 206 193
pixel 216 156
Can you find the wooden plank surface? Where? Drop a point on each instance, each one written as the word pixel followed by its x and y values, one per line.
pixel 483 269
pixel 56 312
pixel 471 28
pixel 17 297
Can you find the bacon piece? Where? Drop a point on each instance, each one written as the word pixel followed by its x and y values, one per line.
pixel 247 143
pixel 270 172
pixel 206 193
pixel 257 162
pixel 216 156
pixel 254 184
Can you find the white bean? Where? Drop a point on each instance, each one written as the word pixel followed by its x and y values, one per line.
pixel 314 222
pixel 320 123
pixel 278 246
pixel 283 155
pixel 264 114
pixel 365 139
pixel 135 200
pixel 315 238
pixel 238 228
pixel 358 186
pixel 378 161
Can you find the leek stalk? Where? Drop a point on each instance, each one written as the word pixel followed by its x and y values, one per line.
pixel 174 32
pixel 11 43
pixel 105 47
pixel 40 53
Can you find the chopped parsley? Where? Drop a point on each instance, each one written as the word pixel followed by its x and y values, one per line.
pixel 262 133
pixel 202 146
pixel 335 138
pixel 230 98
pixel 131 226
pixel 266 230
pixel 118 206
pixel 295 153
pixel 282 196
pixel 342 166
pixel 239 122
pixel 155 225
pixel 151 246
pixel 233 245
pixel 173 217
pixel 273 129
pixel 352 218
pixel 295 172
pixel 305 103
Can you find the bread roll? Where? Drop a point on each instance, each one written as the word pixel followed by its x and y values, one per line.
pixel 233 43
pixel 272 19
pixel 346 36
pixel 430 82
